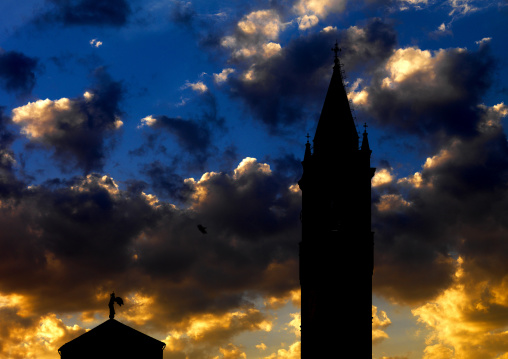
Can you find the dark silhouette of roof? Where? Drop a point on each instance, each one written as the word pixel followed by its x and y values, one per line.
pixel 112 338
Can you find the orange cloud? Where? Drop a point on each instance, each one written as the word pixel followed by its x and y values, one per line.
pixel 379 323
pixel 467 320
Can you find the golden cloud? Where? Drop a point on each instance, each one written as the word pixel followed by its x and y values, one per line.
pixel 468 320
pixel 379 323
pixel 293 352
pixel 382 177
pixel 392 202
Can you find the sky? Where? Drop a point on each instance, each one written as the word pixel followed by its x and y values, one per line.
pixel 124 124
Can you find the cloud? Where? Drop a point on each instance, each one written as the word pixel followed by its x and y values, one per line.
pixel 378 325
pixel 87 13
pixel 95 43
pixel 429 93
pixel 382 177
pixel 67 244
pixel 26 336
pixel 197 86
pixel 223 76
pixel 468 319
pixel 293 352
pixel 311 11
pixel 307 21
pixel 274 88
pixel 17 72
pixel 320 8
pixel 253 33
pixel 453 206
pixel 183 13
pixel 165 181
pixel 194 136
pixel 75 130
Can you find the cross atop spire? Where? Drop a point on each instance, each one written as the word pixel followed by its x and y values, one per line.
pixel 336 49
pixel 365 126
pixel 336 131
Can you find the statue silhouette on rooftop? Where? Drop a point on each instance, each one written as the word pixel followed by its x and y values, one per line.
pixel 111 305
pixel 112 339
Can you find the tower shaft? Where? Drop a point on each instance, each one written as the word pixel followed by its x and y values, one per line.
pixel 336 251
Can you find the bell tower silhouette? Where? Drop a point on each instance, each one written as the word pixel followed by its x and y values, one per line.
pixel 337 247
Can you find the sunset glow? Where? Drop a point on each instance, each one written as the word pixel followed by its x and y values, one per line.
pixel 154 149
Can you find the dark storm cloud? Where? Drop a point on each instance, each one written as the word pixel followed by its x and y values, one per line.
pixel 10 186
pixel 194 134
pixel 64 244
pixel 183 13
pixel 76 130
pixel 456 206
pixel 6 134
pixel 300 72
pixel 165 181
pixel 439 97
pixel 87 12
pixel 17 72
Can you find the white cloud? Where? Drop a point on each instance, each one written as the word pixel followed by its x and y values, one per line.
pixel 320 8
pixel 406 62
pixel 256 35
pixel 196 86
pixel 95 43
pixel 92 180
pixel 462 7
pixel 492 116
pixel 42 118
pixel 329 28
pixel 307 21
pixel 147 121
pixel 223 76
pixel 249 165
pixel 262 22
pixel 270 49
pixel 382 177
pixel 483 41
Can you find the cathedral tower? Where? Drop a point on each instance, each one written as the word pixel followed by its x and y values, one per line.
pixel 336 251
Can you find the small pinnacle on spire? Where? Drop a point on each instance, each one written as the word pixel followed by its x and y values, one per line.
pixel 308 151
pixel 365 142
pixel 336 49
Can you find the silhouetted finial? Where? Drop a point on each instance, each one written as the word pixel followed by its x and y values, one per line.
pixel 336 49
pixel 111 305
pixel 365 126
pixel 308 136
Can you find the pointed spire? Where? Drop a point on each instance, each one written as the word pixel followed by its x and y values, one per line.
pixel 365 141
pixel 336 131
pixel 336 49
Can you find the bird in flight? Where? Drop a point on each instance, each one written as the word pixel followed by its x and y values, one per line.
pixel 202 229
